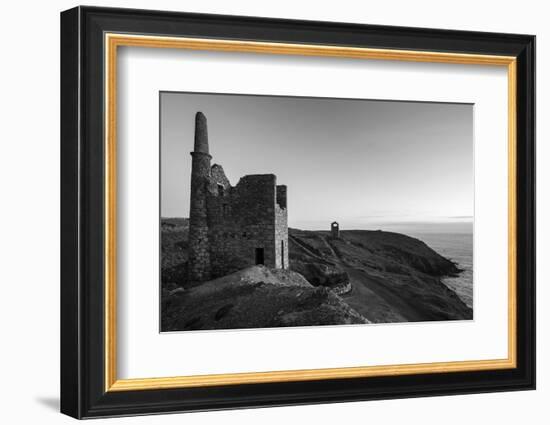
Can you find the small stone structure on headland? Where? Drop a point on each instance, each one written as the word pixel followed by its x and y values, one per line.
pixel 233 227
pixel 335 229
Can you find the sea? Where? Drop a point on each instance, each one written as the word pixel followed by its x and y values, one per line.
pixel 451 240
pixel 457 247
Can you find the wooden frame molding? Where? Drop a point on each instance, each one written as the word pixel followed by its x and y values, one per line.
pixel 114 40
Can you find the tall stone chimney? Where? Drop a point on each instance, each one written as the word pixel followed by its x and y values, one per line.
pixel 199 252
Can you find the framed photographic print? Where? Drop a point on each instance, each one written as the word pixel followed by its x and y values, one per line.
pixel 261 212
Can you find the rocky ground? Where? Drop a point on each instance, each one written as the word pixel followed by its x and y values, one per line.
pixel 360 277
pixel 256 297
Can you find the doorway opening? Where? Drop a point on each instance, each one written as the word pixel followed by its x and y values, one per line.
pixel 259 256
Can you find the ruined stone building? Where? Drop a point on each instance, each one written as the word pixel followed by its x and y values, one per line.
pixel 233 227
pixel 335 229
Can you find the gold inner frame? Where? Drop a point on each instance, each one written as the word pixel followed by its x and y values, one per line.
pixel 113 41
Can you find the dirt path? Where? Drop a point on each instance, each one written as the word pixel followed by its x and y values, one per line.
pixel 307 250
pixel 371 296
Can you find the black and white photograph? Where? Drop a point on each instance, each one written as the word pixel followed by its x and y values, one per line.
pixel 301 211
pixel 273 207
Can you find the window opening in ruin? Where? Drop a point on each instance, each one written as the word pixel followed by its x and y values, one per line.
pixel 259 256
pixel 221 190
pixel 282 254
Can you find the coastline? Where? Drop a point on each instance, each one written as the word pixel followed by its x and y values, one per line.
pixel 457 247
pixel 376 277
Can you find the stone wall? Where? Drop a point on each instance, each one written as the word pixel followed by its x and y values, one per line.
pixel 281 229
pixel 244 219
pixel 281 195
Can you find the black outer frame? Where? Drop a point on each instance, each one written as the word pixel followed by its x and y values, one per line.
pixel 82 219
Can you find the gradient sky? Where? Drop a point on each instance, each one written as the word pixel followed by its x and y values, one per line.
pixel 360 162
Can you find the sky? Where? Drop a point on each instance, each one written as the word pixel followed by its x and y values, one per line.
pixel 364 163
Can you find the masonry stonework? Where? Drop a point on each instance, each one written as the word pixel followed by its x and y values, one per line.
pixel 233 227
